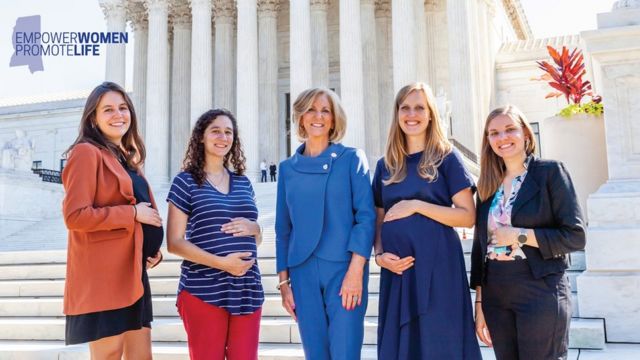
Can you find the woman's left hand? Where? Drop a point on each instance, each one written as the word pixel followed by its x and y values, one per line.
pixel 351 290
pixel 155 260
pixel 400 210
pixel 241 227
pixel 505 236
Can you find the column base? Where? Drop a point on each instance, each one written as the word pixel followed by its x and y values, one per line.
pixel 614 297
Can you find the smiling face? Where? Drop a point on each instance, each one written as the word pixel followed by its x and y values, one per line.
pixel 506 137
pixel 218 137
pixel 413 114
pixel 113 117
pixel 318 119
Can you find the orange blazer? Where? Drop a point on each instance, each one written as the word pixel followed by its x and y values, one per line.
pixel 104 253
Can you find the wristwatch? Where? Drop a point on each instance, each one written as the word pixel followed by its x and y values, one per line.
pixel 522 236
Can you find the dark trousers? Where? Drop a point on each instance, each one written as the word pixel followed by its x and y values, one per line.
pixel 263 178
pixel 273 177
pixel 528 318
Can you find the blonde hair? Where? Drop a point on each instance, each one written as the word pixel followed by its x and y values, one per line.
pixel 492 167
pixel 437 147
pixel 303 104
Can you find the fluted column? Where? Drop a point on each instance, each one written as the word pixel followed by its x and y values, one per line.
pixel 385 68
pixel 180 85
pixel 115 15
pixel 157 125
pixel 351 76
pixel 247 84
pixel 268 78
pixel 370 78
pixel 201 65
pixel 462 77
pixel 138 16
pixel 319 43
pixel 224 74
pixel 431 31
pixel 405 64
pixel 300 47
pixel 421 40
pixel 299 54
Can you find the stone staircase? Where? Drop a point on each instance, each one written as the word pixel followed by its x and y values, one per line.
pixel 32 283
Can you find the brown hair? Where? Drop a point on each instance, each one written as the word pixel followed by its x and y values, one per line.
pixel 492 167
pixel 134 152
pixel 437 146
pixel 194 159
pixel 303 104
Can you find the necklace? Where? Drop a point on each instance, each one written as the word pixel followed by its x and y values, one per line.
pixel 212 178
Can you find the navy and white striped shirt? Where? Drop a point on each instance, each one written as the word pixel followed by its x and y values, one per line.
pixel 208 209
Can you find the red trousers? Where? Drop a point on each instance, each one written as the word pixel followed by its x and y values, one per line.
pixel 213 333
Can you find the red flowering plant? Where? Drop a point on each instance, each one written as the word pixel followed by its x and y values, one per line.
pixel 566 77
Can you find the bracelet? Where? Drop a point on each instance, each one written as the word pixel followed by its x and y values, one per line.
pixel 288 281
pixel 135 212
pixel 377 254
pixel 478 301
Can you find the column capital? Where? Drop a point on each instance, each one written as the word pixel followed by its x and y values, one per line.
pixel 181 13
pixel 367 2
pixel 152 5
pixel 137 14
pixel 319 4
pixel 626 4
pixel 113 8
pixel 198 3
pixel 268 7
pixel 224 9
pixel 383 8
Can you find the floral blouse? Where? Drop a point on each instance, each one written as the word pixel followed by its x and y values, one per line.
pixel 500 216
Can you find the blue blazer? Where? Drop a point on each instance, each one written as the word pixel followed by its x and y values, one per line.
pixel 324 207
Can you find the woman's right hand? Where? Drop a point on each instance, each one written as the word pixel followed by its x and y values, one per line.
pixel 146 214
pixel 394 263
pixel 287 300
pixel 481 326
pixel 236 263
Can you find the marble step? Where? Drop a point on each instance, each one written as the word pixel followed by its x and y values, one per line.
pixel 47 350
pixel 56 267
pixel 164 306
pixel 584 333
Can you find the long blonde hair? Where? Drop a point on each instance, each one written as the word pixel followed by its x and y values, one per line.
pixel 492 167
pixel 437 147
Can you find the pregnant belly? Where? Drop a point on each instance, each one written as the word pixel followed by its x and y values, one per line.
pixel 411 235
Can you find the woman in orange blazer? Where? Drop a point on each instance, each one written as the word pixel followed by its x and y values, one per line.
pixel 113 225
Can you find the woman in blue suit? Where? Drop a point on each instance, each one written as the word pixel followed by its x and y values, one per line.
pixel 325 222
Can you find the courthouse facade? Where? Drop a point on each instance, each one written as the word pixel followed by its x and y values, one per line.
pixel 253 56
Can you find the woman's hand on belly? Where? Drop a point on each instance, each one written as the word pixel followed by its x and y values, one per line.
pixel 155 260
pixel 241 227
pixel 400 210
pixel 394 263
pixel 235 263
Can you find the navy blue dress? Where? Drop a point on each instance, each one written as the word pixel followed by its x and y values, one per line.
pixel 425 313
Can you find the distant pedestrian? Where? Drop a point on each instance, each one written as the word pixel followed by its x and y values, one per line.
pixel 263 171
pixel 272 171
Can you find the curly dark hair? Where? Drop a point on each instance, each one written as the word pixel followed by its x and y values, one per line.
pixel 194 159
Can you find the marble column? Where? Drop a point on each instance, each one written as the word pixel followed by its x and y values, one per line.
pixel 224 74
pixel 247 85
pixel 299 54
pixel 370 79
pixel 139 22
pixel 319 43
pixel 431 33
pixel 157 124
pixel 201 65
pixel 180 85
pixel 421 42
pixel 403 31
pixel 385 69
pixel 351 75
pixel 115 15
pixel 268 79
pixel 486 68
pixel 462 74
pixel 610 287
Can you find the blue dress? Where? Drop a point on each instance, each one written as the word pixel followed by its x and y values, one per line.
pixel 425 313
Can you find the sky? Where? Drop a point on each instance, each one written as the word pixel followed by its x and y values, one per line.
pixel 70 74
